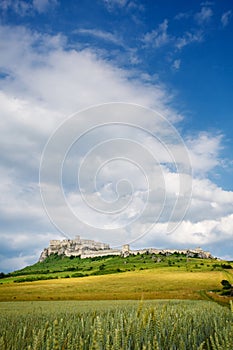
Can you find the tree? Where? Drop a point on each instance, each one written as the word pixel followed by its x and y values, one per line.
pixel 226 284
pixel 227 288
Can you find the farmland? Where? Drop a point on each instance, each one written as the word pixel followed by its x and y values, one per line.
pixel 139 303
pixel 116 325
pixel 149 284
pixel 150 277
pixel 56 266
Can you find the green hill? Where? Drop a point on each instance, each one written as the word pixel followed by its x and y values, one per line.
pixel 113 277
pixel 58 266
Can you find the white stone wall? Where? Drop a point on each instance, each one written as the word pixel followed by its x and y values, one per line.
pixel 93 254
pixel 86 248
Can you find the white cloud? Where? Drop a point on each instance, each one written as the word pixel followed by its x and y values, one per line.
pixel 27 8
pixel 128 6
pixel 204 151
pixel 43 5
pixel 134 5
pixel 111 4
pixel 204 233
pixel 158 37
pixel 21 8
pixel 45 82
pixel 182 15
pixel 209 202
pixel 176 64
pixel 226 17
pixel 101 35
pixel 40 73
pixel 204 15
pixel 189 38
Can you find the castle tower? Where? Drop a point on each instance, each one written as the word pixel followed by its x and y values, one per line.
pixel 125 248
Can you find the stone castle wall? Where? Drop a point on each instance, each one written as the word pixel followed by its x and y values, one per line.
pixel 85 248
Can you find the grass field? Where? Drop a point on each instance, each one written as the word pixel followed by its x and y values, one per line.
pixel 109 304
pixel 63 267
pixel 115 325
pixel 143 276
pixel 160 283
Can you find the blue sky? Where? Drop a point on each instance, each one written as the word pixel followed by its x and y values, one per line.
pixel 58 57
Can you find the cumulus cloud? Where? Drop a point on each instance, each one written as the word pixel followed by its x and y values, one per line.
pixel 44 82
pixel 204 151
pixel 214 235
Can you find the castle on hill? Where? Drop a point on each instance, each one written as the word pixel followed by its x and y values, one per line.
pixel 86 248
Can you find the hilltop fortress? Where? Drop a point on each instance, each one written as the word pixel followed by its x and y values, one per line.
pixel 86 248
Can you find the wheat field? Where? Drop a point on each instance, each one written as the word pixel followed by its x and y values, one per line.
pixel 115 325
pixel 149 284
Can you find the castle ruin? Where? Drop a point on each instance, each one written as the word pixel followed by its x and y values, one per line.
pixel 86 248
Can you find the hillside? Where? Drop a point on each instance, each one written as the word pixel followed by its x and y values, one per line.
pixel 114 277
pixel 59 266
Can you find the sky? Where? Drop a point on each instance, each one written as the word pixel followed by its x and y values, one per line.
pixel 116 125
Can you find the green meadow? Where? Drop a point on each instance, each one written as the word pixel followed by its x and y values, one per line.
pixel 108 278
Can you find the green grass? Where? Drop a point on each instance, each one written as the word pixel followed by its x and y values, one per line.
pixel 115 325
pixel 63 267
pixel 159 283
pixel 150 276
pixel 98 309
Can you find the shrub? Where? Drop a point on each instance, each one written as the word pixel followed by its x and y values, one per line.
pixel 227 288
pixel 226 284
pixel 77 274
pixel 226 266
